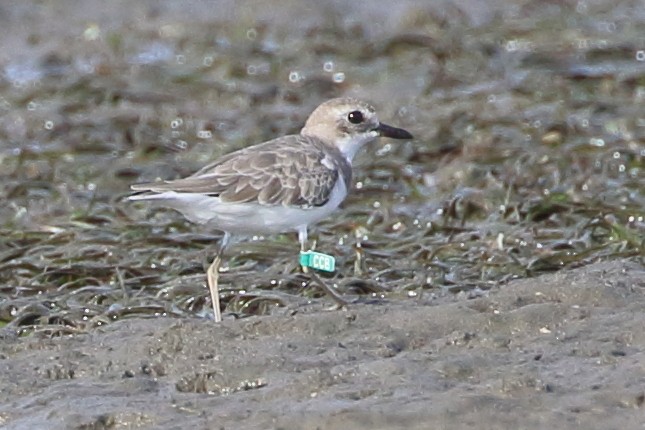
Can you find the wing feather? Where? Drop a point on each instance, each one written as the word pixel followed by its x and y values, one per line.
pixel 288 171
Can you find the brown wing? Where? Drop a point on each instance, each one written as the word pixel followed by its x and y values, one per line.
pixel 286 171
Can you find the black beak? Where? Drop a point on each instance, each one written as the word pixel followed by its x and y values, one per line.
pixel 393 132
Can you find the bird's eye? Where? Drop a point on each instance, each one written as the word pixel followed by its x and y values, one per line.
pixel 355 117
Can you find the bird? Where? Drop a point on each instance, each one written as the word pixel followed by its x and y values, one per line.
pixel 281 185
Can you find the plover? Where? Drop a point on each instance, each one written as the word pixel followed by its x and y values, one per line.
pixel 285 184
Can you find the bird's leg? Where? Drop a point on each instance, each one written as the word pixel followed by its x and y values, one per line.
pixel 212 275
pixel 341 303
pixel 302 237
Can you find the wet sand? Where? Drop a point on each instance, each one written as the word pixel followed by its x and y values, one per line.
pixel 558 351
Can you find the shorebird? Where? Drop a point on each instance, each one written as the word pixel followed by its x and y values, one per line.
pixel 285 184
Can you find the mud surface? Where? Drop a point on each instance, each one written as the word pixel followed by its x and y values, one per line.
pixel 557 351
pixel 494 264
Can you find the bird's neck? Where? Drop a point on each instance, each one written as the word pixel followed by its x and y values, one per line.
pixel 348 145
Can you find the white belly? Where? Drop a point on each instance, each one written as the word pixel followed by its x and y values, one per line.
pixel 245 218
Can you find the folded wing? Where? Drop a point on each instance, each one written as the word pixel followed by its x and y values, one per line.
pixel 290 171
